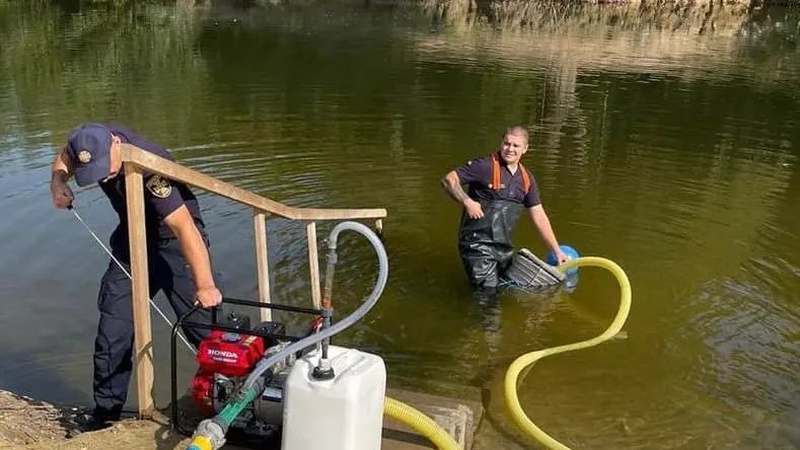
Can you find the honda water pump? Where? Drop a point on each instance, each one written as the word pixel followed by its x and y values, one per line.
pixel 261 383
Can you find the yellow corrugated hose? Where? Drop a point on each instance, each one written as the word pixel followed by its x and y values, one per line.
pixel 528 359
pixel 428 428
pixel 421 423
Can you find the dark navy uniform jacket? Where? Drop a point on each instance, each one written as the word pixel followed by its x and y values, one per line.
pixel 168 270
pixel 477 174
pixel 161 196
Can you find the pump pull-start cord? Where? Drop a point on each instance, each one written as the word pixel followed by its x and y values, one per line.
pixel 528 359
pixel 125 271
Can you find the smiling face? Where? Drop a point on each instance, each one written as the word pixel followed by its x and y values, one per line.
pixel 512 148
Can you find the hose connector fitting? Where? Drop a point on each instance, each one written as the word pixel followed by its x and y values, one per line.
pixel 209 435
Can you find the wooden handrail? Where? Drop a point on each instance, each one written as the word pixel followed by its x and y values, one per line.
pixel 156 164
pixel 137 161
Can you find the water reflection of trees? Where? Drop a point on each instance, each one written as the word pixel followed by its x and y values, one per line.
pixel 572 38
pixel 605 35
pixel 74 63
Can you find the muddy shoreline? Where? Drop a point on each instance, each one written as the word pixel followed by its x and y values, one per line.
pixel 26 423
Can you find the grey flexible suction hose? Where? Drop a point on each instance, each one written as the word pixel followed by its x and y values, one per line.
pixel 361 311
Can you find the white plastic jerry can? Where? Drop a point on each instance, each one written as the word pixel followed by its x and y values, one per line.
pixel 341 413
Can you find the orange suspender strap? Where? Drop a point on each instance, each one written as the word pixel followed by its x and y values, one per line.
pixel 526 178
pixel 495 173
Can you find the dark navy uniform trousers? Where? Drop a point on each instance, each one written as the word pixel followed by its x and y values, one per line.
pixel 113 347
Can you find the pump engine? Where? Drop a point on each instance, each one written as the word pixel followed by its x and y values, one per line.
pixel 226 358
pixel 259 379
pixel 335 390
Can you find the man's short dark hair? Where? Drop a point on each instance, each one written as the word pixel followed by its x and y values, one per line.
pixel 517 130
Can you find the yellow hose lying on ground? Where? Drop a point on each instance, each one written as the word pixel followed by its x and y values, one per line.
pixel 420 423
pixel 528 359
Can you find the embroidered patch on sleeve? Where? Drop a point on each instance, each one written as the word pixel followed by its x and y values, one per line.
pixel 159 186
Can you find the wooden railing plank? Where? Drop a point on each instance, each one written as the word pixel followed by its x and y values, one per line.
pixel 156 164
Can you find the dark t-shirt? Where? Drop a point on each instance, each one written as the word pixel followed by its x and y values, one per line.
pixel 161 195
pixel 477 174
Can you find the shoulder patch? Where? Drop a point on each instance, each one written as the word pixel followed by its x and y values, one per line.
pixel 158 186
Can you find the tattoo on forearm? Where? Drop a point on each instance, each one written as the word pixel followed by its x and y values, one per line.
pixel 459 194
pixel 455 191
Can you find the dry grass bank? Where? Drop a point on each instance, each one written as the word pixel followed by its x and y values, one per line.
pixel 688 39
pixel 698 16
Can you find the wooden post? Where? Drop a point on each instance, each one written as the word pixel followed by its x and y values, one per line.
pixel 260 226
pixel 143 343
pixel 313 264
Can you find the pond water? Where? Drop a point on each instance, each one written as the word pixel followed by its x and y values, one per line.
pixel 670 151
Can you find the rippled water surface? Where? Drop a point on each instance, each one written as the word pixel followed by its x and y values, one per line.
pixel 670 151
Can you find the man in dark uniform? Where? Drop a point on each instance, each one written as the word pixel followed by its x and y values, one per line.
pixel 499 187
pixel 177 250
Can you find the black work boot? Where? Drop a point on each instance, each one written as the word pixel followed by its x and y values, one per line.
pixel 96 419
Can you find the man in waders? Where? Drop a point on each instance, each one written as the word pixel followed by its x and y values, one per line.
pixel 499 187
pixel 177 253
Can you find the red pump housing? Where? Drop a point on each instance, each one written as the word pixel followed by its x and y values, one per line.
pixel 227 354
